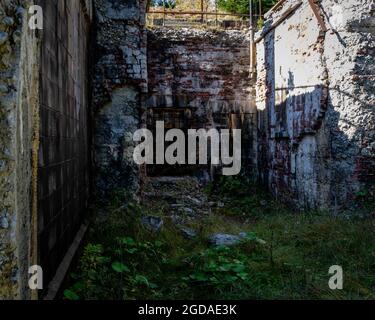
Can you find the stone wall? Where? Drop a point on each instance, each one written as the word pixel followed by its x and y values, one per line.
pixel 204 71
pixel 316 102
pixel 18 117
pixel 119 86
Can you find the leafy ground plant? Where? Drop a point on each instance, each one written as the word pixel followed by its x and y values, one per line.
pixel 284 255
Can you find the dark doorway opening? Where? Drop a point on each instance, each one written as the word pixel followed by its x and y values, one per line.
pixel 173 118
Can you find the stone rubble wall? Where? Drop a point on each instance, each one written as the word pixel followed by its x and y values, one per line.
pixel 19 48
pixel 119 85
pixel 316 102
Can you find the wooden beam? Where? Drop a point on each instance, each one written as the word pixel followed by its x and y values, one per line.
pixel 202 10
pixel 316 9
pixel 61 273
pixel 279 21
pixel 163 12
pixel 274 8
pixel 252 43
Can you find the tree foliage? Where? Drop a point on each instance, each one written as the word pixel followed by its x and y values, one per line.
pixel 232 6
pixel 183 4
pixel 243 7
pixel 169 4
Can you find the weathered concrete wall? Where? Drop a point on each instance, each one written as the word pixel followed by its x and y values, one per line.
pixel 63 177
pixel 119 84
pixel 204 71
pixel 315 99
pixel 18 119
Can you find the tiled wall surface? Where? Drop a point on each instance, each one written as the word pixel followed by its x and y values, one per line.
pixel 64 153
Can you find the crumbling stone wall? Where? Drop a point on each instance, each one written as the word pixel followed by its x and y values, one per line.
pixel 119 86
pixel 18 118
pixel 316 102
pixel 204 71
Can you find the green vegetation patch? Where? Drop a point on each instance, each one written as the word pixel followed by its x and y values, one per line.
pixel 284 254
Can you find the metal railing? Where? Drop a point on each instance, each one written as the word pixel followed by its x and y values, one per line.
pixel 174 18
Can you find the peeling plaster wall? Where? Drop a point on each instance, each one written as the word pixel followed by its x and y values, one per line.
pixel 18 126
pixel 316 102
pixel 119 86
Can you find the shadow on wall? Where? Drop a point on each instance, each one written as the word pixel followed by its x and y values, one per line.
pixel 305 158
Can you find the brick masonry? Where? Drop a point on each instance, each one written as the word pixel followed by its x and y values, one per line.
pixel 204 71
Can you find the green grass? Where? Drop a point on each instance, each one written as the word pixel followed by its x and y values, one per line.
pixel 122 260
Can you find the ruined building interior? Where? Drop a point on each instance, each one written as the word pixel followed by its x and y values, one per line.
pixel 73 93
